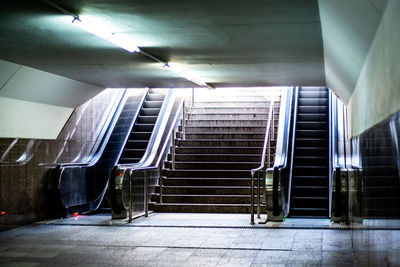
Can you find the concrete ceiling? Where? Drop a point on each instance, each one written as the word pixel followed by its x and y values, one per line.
pixel 225 43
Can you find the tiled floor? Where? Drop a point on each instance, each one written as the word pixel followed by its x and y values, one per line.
pixel 194 240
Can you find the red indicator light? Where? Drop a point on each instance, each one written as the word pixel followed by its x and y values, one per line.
pixel 3 213
pixel 76 214
pixel 120 174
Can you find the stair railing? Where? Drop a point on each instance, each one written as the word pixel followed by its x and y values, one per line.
pixel 264 163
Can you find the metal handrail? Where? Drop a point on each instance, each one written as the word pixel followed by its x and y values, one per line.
pixel 262 167
pixel 163 136
pixel 104 135
pixel 296 101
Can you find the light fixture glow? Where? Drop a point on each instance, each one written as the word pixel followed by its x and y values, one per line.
pixel 187 76
pixel 120 39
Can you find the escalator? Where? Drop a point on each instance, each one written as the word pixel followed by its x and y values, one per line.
pixel 82 187
pixel 139 138
pixel 309 195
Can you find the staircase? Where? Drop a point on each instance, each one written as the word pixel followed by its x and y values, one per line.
pixel 381 194
pixel 139 138
pixel 310 180
pixel 223 142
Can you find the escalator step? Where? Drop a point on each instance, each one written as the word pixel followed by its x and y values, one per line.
pixel 147 119
pixel 313 94
pixel 311 109
pixel 311 125
pixel 311 133
pixel 313 101
pixel 149 111
pixel 137 144
pixel 140 136
pixel 142 127
pixel 312 116
pixel 152 104
pixel 155 97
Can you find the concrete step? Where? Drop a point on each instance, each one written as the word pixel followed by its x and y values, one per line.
pixel 201 208
pixel 222 143
pixel 193 165
pixel 203 199
pixel 218 157
pixel 234 98
pixel 238 122
pixel 231 116
pixel 225 136
pixel 235 104
pixel 227 129
pixel 207 181
pixel 230 110
pixel 206 190
pixel 220 150
pixel 200 173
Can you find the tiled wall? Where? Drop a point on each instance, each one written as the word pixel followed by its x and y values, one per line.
pixel 23 167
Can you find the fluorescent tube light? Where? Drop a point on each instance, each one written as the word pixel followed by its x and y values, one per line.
pixel 187 76
pixel 122 40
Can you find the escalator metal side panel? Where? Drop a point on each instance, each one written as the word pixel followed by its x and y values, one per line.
pixel 82 188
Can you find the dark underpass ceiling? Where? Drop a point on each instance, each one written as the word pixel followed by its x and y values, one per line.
pixel 225 43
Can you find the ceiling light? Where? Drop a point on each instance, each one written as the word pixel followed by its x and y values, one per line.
pixel 120 39
pixel 187 76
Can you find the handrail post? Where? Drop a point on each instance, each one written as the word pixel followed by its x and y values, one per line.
pixel 273 120
pixel 173 152
pixel 130 196
pixel 258 195
pixel 192 98
pixel 161 189
pixel 252 199
pixel 183 122
pixel 146 194
pixel 267 142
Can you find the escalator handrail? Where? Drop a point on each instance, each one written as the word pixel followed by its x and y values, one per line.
pixel 293 138
pixel 160 135
pixel 282 144
pixel 104 135
pixel 156 130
